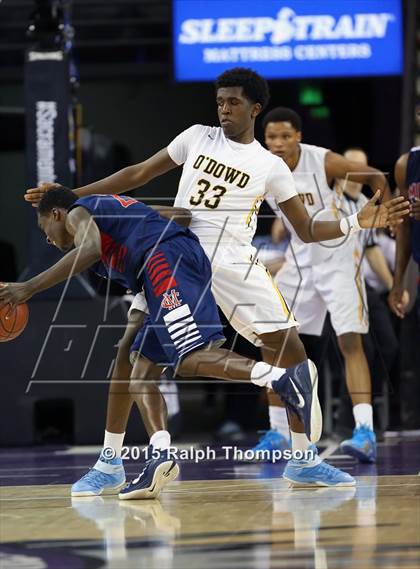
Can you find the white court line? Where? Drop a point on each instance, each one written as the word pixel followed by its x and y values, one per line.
pixel 342 457
pixel 82 450
pixel 206 491
pixel 25 475
pixel 331 448
pixel 38 468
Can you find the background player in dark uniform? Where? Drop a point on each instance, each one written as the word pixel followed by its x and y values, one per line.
pixel 127 241
pixel 407 176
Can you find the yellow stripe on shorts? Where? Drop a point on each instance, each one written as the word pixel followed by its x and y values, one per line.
pixel 359 286
pixel 283 303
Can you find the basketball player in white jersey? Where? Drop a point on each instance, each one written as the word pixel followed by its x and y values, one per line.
pixel 325 277
pixel 226 175
pixel 354 199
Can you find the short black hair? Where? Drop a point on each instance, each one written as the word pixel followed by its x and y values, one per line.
pixel 283 114
pixel 60 196
pixel 255 87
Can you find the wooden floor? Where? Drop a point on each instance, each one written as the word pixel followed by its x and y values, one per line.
pixel 216 524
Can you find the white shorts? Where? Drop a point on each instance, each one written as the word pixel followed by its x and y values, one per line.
pixel 139 303
pixel 335 286
pixel 246 293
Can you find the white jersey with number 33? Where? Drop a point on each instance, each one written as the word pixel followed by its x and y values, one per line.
pixel 223 183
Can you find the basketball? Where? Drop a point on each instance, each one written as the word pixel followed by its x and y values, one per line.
pixel 13 321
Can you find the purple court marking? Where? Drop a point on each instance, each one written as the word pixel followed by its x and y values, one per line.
pixel 45 465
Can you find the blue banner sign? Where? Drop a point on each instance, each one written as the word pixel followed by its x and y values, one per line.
pixel 284 39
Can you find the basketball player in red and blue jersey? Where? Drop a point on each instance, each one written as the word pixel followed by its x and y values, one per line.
pixel 407 176
pixel 127 241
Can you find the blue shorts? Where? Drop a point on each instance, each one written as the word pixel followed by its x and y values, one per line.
pixel 183 312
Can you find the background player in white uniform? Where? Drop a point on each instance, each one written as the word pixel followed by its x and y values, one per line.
pixel 375 266
pixel 225 177
pixel 321 277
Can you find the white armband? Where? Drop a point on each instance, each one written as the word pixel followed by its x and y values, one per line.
pixel 350 224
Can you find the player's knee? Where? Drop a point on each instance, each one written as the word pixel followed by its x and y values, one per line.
pixel 134 324
pixel 135 386
pixel 283 348
pixel 124 345
pixel 350 344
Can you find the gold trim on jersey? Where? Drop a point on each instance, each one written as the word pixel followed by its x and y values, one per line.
pixel 254 209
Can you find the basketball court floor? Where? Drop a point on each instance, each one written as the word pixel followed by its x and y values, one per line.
pixel 219 514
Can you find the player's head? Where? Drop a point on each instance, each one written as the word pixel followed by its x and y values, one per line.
pixel 356 154
pixel 353 154
pixel 241 94
pixel 282 131
pixel 52 215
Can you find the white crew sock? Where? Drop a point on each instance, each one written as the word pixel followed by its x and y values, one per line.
pixel 278 420
pixel 114 441
pixel 300 442
pixel 161 440
pixel 363 415
pixel 263 374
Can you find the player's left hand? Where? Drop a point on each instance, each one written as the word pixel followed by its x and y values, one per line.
pixel 415 209
pixel 390 213
pixel 14 294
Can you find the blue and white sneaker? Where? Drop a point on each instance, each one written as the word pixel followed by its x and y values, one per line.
pixel 157 473
pixel 300 473
pixel 362 445
pixel 271 441
pixel 106 477
pixel 298 387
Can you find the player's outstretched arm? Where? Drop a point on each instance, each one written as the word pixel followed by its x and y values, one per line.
pixel 371 215
pixel 87 251
pixel 122 181
pixel 336 166
pixel 179 214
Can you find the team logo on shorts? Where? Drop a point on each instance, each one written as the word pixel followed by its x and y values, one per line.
pixel 171 300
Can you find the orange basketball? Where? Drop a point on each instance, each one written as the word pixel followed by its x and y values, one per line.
pixel 13 321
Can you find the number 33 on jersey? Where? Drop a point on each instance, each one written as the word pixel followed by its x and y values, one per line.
pixel 223 183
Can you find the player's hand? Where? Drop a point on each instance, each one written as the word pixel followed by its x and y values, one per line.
pixel 387 214
pixel 14 294
pixel 415 209
pixel 34 195
pixel 398 300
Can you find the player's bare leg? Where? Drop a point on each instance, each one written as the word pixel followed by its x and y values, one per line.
pixel 282 348
pixel 278 437
pixel 285 348
pixel 356 368
pixel 108 475
pixel 119 398
pixel 147 395
pixel 359 384
pixel 160 467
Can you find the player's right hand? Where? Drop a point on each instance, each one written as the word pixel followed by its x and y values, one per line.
pixel 14 293
pixel 34 195
pixel 398 300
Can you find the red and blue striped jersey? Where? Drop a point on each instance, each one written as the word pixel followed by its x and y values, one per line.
pixel 130 230
pixel 413 185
